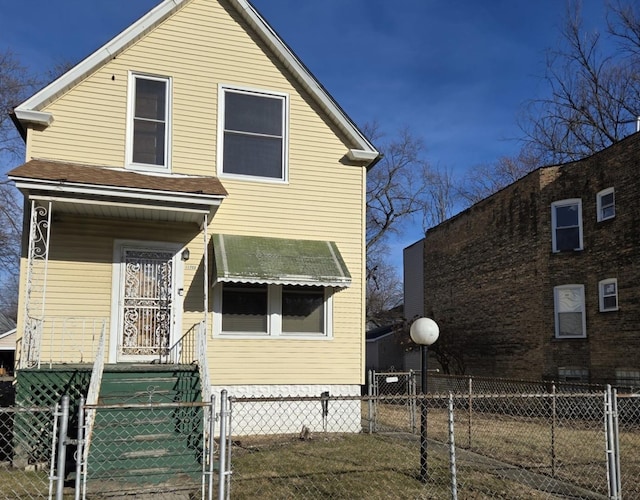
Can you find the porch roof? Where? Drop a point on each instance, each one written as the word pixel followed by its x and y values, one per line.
pixel 115 192
pixel 253 259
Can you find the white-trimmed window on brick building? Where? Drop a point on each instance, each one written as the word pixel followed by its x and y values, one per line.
pixel 573 374
pixel 627 377
pixel 608 295
pixel 566 223
pixel 606 204
pixel 570 320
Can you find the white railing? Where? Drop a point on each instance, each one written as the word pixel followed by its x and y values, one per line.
pixel 201 358
pixel 71 339
pixel 30 343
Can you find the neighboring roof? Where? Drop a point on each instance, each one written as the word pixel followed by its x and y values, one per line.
pixel 253 259
pixel 8 340
pixel 30 111
pixel 73 173
pixel 6 324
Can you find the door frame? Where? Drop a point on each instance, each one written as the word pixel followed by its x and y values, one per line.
pixel 116 296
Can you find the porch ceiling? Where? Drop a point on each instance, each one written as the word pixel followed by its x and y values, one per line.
pixel 117 193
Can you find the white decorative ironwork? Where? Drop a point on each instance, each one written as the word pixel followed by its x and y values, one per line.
pixel 147 302
pixel 36 284
pixel 201 358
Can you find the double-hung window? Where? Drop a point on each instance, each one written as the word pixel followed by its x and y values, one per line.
pixel 606 203
pixel 566 222
pixel 253 134
pixel 250 310
pixel 608 294
pixel 148 125
pixel 569 311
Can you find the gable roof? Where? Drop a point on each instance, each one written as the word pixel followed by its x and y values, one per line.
pixel 30 111
pixel 7 325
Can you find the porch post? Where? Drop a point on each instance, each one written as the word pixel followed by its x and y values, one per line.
pixel 35 283
pixel 205 278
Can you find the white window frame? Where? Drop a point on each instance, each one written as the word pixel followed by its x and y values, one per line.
pixel 284 97
pixel 599 197
pixel 274 317
pixel 601 295
pixel 566 203
pixel 131 102
pixel 557 312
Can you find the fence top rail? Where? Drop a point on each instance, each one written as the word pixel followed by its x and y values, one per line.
pixel 27 409
pixel 146 406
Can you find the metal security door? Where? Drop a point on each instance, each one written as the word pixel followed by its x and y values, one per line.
pixel 146 304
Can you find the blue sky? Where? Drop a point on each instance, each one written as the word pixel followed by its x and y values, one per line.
pixel 454 72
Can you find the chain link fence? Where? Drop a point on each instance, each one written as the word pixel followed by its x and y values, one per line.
pixel 27 441
pixel 543 444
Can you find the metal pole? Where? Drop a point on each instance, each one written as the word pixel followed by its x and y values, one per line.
pixel 423 419
pixel 212 430
pixel 470 412
pixel 222 474
pixel 62 447
pixel 616 442
pixel 554 418
pixel 452 452
pixel 370 402
pixel 79 451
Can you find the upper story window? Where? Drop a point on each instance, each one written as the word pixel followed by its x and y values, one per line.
pixel 569 311
pixel 606 203
pixel 250 310
pixel 608 293
pixel 566 222
pixel 148 124
pixel 253 134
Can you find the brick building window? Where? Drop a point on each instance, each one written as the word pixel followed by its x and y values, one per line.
pixel 627 377
pixel 608 292
pixel 566 221
pixel 569 311
pixel 573 374
pixel 606 203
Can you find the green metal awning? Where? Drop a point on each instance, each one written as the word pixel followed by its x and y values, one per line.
pixel 253 259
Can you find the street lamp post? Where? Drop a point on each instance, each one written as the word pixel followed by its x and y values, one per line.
pixel 424 332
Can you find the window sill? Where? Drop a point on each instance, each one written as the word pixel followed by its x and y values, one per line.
pixel 250 336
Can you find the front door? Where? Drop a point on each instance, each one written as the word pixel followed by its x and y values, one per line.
pixel 146 303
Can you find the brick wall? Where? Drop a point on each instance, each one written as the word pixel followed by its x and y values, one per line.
pixel 490 273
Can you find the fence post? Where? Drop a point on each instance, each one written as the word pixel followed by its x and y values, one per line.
pixel 616 440
pixel 370 404
pixel 79 449
pixel 612 472
pixel 210 444
pixel 62 447
pixel 412 400
pixel 222 474
pixel 452 452
pixel 470 396
pixel 554 417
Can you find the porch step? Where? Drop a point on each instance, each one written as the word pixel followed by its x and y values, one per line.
pixel 147 445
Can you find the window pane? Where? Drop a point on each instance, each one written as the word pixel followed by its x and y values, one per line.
pixel 570 324
pixel 251 155
pixel 150 99
pixel 148 142
pixel 610 302
pixel 244 308
pixel 252 113
pixel 302 310
pixel 610 289
pixel 567 216
pixel 608 212
pixel 568 239
pixel 607 200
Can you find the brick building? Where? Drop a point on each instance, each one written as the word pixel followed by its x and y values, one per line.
pixel 541 279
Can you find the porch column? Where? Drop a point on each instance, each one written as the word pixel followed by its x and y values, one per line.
pixel 35 283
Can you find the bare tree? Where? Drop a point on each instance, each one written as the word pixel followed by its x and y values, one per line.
pixel 16 83
pixel 384 291
pixel 593 95
pixel 484 180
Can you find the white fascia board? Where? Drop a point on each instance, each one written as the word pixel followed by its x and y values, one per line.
pixel 104 53
pixel 85 201
pixel 117 192
pixel 304 76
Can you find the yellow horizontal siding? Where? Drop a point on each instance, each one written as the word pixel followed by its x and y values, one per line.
pixel 201 47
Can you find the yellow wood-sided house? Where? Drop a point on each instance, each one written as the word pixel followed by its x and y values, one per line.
pixel 193 194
